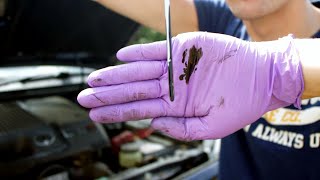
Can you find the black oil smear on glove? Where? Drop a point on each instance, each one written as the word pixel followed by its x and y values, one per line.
pixel 184 55
pixel 190 67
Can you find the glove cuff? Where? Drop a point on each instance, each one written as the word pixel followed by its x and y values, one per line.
pixel 288 82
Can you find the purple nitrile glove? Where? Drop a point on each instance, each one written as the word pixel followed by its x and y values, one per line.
pixel 221 84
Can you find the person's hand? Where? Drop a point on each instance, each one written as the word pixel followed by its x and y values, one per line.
pixel 221 85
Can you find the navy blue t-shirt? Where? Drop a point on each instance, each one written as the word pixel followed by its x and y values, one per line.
pixel 284 143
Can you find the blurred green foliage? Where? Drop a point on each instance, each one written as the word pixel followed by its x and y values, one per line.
pixel 143 35
pixel 146 35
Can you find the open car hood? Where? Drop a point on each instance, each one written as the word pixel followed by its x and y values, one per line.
pixel 69 35
pixel 61 32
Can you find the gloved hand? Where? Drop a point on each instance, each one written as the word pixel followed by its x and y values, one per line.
pixel 221 84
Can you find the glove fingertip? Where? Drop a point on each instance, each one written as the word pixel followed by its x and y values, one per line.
pixel 127 53
pixel 82 98
pixel 121 54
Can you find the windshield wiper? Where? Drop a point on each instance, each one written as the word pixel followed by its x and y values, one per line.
pixel 60 75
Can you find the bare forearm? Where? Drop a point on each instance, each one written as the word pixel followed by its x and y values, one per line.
pixel 309 52
pixel 151 13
